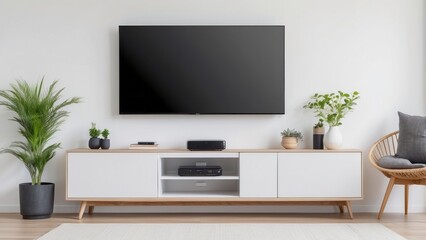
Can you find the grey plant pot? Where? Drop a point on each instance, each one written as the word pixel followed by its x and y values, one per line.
pixel 105 143
pixel 36 201
pixel 94 143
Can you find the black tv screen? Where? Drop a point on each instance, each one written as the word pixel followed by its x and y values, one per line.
pixel 201 69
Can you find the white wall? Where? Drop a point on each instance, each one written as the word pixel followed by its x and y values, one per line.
pixel 373 46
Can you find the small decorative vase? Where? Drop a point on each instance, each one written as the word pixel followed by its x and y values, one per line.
pixel 105 143
pixel 318 138
pixel 289 142
pixel 94 143
pixel 333 138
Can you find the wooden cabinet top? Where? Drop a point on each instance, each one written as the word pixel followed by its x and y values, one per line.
pixel 160 150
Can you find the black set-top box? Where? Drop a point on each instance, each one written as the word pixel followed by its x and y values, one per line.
pixel 200 171
pixel 206 145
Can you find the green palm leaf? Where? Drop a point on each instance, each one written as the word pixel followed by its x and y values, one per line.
pixel 39 113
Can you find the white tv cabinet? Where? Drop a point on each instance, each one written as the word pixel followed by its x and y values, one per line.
pixel 121 177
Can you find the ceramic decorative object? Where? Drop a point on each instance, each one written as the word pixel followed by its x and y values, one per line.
pixel 333 138
pixel 105 143
pixel 318 137
pixel 289 142
pixel 36 201
pixel 94 143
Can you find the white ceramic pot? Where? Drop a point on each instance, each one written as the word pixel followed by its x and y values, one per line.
pixel 333 138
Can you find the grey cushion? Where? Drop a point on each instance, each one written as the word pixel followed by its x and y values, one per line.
pixel 393 162
pixel 412 138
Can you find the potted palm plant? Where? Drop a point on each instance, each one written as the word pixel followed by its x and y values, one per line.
pixel 39 112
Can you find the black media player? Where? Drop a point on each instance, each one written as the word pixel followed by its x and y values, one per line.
pixel 206 145
pixel 200 171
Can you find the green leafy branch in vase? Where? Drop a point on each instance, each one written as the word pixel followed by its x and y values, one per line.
pixel 332 107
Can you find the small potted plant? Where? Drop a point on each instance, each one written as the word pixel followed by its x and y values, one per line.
pixel 290 138
pixel 105 142
pixel 94 141
pixel 318 137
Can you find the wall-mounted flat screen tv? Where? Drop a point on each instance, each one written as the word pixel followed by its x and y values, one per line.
pixel 201 69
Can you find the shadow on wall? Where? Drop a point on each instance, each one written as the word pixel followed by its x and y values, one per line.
pixel 424 58
pixel 12 173
pixel 114 70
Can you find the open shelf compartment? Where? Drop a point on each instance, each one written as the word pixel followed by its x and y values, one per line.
pixel 173 185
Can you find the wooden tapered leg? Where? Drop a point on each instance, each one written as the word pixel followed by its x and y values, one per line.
pixel 385 199
pixel 82 209
pixel 341 209
pixel 349 207
pixel 91 209
pixel 407 189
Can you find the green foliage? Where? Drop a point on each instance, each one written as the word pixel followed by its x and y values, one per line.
pixel 39 113
pixel 319 124
pixel 105 133
pixel 332 107
pixel 94 132
pixel 292 133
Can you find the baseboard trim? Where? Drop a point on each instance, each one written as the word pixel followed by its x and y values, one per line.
pixel 225 209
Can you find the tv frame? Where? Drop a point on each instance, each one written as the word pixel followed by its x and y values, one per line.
pixel 215 25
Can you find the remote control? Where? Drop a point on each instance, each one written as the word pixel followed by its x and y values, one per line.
pixel 146 143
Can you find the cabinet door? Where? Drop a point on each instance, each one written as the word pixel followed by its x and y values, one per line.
pixel 111 175
pixel 258 175
pixel 322 175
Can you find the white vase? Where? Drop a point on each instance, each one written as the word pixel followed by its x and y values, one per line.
pixel 333 138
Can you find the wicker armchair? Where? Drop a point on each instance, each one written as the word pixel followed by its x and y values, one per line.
pixel 388 145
